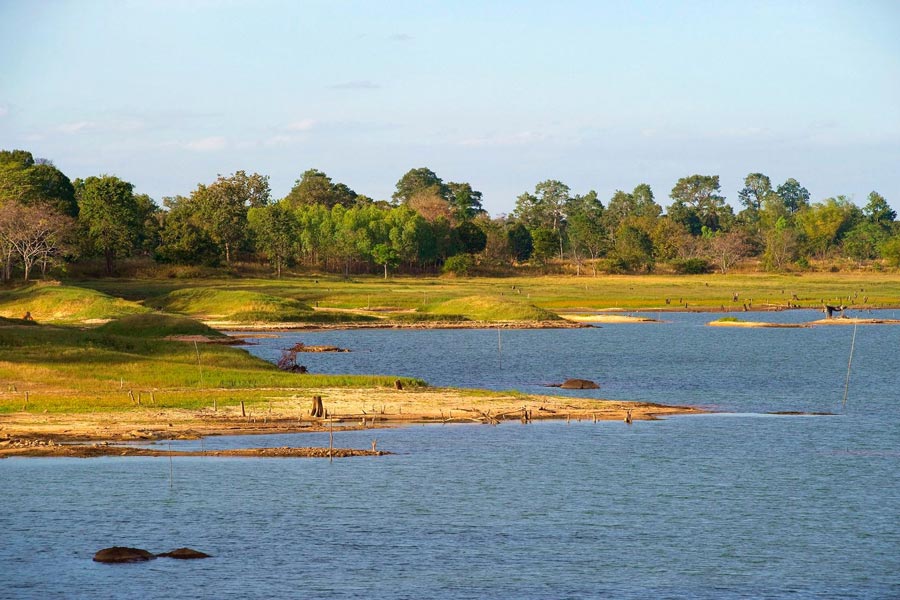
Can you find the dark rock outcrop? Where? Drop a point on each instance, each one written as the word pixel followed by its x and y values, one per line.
pixel 579 384
pixel 185 554
pixel 121 554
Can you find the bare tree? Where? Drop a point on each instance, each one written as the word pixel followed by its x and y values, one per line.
pixel 728 248
pixel 35 233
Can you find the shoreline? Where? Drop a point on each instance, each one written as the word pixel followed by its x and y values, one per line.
pixel 89 434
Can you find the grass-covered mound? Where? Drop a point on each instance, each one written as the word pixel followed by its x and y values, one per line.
pixel 72 370
pixel 491 308
pixel 155 325
pixel 64 304
pixel 244 306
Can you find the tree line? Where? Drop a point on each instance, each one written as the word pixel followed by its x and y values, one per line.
pixel 48 221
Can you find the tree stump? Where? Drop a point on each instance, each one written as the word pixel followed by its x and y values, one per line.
pixel 318 408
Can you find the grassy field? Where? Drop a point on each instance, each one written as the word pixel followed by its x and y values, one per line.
pixel 99 344
pixel 379 297
pixel 66 369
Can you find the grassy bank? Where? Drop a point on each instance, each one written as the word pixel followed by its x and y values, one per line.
pixel 424 297
pixel 116 367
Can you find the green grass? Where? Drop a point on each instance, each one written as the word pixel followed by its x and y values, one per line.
pixel 245 306
pixel 155 325
pixel 72 370
pixel 554 293
pixel 491 308
pixel 64 304
pixel 727 320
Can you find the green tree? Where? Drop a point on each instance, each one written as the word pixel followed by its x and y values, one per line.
pixel 110 215
pixel 697 203
pixel 416 181
pixel 793 195
pixel 824 223
pixel 878 212
pixel 28 181
pixel 756 188
pixel 634 249
pixel 520 242
pixel 545 244
pixel 464 201
pixel 275 232
pixel 223 207
pixel 863 241
pixel 315 187
pixel 183 237
pixel 385 255
pixel 585 227
pixel 470 237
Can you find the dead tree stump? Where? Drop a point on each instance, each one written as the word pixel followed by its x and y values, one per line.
pixel 318 409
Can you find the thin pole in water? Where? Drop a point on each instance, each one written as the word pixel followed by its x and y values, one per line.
pixel 849 363
pixel 171 468
pixel 199 366
pixel 499 348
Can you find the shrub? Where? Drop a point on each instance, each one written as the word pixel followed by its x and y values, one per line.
pixel 458 265
pixel 691 266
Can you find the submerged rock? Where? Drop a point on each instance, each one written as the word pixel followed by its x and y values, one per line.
pixel 121 554
pixel 579 384
pixel 185 554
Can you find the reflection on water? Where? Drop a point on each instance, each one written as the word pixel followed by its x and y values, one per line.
pixel 744 505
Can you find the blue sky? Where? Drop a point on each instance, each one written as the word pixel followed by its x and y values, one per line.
pixel 600 95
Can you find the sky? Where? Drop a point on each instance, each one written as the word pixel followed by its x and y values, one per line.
pixel 503 95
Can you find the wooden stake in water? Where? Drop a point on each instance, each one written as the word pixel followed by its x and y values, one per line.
pixel 331 442
pixel 171 468
pixel 849 364
pixel 499 348
pixel 199 366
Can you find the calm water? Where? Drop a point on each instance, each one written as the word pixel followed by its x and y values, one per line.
pixel 738 505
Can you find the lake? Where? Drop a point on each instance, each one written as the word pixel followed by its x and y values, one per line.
pixel 740 504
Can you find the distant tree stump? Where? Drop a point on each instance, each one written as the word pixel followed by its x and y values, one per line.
pixel 318 408
pixel 398 384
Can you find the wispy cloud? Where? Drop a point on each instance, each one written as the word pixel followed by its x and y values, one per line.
pixel 520 138
pixel 4 110
pixel 401 37
pixel 361 84
pixel 76 127
pixel 301 125
pixel 207 144
pixel 104 125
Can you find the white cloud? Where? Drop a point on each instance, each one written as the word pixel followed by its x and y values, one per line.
pixel 280 140
pixel 360 84
pixel 301 125
pixel 514 139
pixel 207 144
pixel 4 110
pixel 76 127
pixel 401 37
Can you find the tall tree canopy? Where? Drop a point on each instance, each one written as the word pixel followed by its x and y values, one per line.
pixel 417 181
pixel 315 187
pixel 110 215
pixel 223 207
pixel 697 203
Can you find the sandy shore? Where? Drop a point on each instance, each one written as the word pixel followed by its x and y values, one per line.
pixel 22 432
pixel 294 326
pixel 608 318
pixel 752 324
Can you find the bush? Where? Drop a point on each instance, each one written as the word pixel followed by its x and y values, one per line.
pixel 691 266
pixel 458 265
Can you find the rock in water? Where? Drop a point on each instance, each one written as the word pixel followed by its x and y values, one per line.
pixel 579 384
pixel 120 554
pixel 185 554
